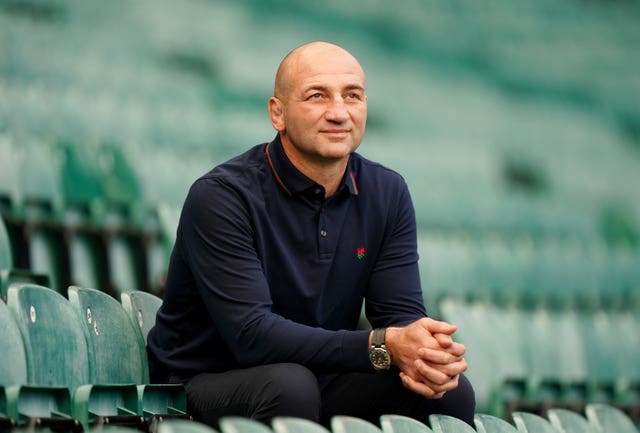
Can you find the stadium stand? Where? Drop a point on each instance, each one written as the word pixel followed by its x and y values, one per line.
pixel 141 308
pixel 349 424
pixel 490 424
pixel 448 424
pixel 520 134
pixel 567 421
pixel 532 423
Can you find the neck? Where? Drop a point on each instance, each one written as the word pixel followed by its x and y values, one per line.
pixel 326 172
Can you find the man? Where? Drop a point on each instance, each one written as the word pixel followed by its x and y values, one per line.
pixel 276 250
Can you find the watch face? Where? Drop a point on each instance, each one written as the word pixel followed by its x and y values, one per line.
pixel 380 358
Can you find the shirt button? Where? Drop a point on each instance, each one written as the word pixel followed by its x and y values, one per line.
pixel 318 191
pixel 323 233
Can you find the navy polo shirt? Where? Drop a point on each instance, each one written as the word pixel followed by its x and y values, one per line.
pixel 266 270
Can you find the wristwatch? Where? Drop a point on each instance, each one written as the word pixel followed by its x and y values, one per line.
pixel 378 354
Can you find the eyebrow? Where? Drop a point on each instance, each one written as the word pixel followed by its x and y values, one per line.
pixel 323 87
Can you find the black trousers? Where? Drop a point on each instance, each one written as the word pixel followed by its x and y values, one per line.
pixel 267 391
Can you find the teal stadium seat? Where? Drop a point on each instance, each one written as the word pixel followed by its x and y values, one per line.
pixel 112 338
pixel 57 355
pixel 235 424
pixel 142 308
pixel 567 421
pixel 296 425
pixel 402 424
pixel 609 419
pixel 492 424
pixel 532 423
pixel 448 424
pixel 183 426
pixel 25 401
pixel 350 424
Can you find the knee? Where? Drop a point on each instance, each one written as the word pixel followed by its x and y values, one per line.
pixel 461 402
pixel 294 390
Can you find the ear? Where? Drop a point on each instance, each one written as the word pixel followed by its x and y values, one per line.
pixel 276 113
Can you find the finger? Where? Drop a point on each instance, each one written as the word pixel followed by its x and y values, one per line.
pixel 437 356
pixel 436 326
pixel 419 387
pixel 438 373
pixel 443 340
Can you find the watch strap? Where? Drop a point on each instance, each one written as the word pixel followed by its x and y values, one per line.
pixel 378 337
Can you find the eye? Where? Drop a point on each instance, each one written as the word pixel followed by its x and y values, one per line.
pixel 354 95
pixel 316 95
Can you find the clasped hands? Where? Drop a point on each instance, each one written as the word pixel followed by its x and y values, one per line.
pixel 430 362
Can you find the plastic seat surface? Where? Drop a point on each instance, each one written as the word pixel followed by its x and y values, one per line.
pixel 402 424
pixel 296 425
pixel 532 423
pixel 609 419
pixel 492 424
pixel 449 424
pixel 349 424
pixel 566 421
pixel 235 424
pixel 183 426
pixel 142 308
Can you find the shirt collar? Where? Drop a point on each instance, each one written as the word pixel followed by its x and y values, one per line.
pixel 292 180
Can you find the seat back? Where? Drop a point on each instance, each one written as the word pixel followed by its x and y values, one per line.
pixel 532 423
pixel 448 424
pixel 55 344
pixel 234 424
pixel 402 424
pixel 14 359
pixel 566 421
pixel 492 424
pixel 609 419
pixel 183 426
pixel 142 308
pixel 113 340
pixel 349 424
pixel 285 424
pixel 6 258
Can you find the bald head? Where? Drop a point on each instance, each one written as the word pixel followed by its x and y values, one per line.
pixel 309 59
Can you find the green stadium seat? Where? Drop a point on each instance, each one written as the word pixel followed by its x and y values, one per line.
pixel 58 356
pixel 532 423
pixel 236 424
pixel 183 426
pixel 350 424
pixel 492 424
pixel 142 308
pixel 296 425
pixel 609 419
pixel 448 424
pixel 402 424
pixel 24 401
pixel 567 421
pixel 112 337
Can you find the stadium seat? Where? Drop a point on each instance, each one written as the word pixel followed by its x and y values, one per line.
pixel 532 423
pixel 183 426
pixel 112 338
pixel 609 419
pixel 402 424
pixel 491 424
pixel 296 425
pixel 448 424
pixel 236 424
pixel 58 356
pixel 142 308
pixel 567 421
pixel 31 399
pixel 350 424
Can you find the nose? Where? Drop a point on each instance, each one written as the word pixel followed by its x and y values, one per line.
pixel 337 110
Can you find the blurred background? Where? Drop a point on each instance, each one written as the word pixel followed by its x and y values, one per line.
pixel 515 124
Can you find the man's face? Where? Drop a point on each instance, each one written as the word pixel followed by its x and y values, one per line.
pixel 322 115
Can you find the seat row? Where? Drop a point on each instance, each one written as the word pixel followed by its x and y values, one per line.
pixel 78 362
pixel 532 359
pixel 597 418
